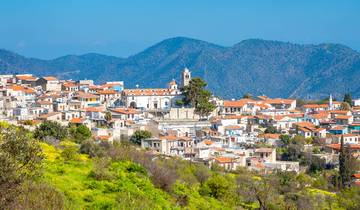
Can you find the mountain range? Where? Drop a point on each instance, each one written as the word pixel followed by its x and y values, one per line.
pixel 259 67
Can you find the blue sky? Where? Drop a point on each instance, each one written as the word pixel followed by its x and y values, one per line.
pixel 48 29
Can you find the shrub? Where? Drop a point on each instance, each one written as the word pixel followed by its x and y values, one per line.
pixel 50 129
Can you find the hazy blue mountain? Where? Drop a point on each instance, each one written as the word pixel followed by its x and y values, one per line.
pixel 273 68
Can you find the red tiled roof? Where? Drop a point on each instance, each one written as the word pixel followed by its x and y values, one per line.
pixel 77 120
pixel 106 92
pixel 81 94
pixel 279 101
pixel 21 88
pixel 93 109
pixel 147 92
pixel 337 146
pixel 26 77
pixel 169 137
pixel 238 103
pixel 224 159
pixel 343 117
pixel 44 116
pixel 337 128
pixel 103 137
pixel 208 142
pixel 271 136
pixel 315 106
pixel 50 78
pixel 264 150
pixel 69 84
pixel 357 176
pixel 232 127
pixel 341 112
pixel 125 111
pixel 304 124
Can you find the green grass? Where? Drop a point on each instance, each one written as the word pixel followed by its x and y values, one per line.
pixel 128 187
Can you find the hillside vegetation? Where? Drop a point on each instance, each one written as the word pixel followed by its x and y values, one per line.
pixel 66 175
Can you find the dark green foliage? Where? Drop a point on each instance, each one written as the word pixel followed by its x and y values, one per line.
pixel 179 103
pixel 285 139
pixel 250 66
pixel 348 99
pixel 292 151
pixel 317 164
pixel 271 129
pixel 79 133
pixel 216 186
pixel 347 164
pixel 139 135
pixel 196 96
pixel 50 129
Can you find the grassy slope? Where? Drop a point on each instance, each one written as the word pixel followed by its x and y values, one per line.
pixel 128 186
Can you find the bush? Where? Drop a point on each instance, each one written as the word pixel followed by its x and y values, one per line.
pixel 20 161
pixel 50 129
pixel 216 186
pixel 271 129
pixel 79 133
pixel 70 150
pixel 92 149
pixel 139 135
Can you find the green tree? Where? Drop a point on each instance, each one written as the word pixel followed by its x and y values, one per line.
pixel 20 158
pixel 293 151
pixel 347 164
pixel 179 103
pixel 271 129
pixel 347 98
pixel 139 135
pixel 216 186
pixel 79 133
pixel 285 139
pixel 197 96
pixel 50 129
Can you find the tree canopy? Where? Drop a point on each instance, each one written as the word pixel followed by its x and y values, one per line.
pixel 348 99
pixel 197 96
pixel 50 129
pixel 139 135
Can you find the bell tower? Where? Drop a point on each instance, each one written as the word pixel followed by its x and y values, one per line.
pixel 185 77
pixel 331 106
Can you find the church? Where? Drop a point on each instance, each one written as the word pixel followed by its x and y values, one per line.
pixel 156 98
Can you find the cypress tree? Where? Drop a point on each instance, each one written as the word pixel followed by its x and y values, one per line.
pixel 342 163
pixel 346 164
pixel 348 99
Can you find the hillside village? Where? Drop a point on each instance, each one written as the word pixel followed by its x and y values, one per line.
pixel 247 132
